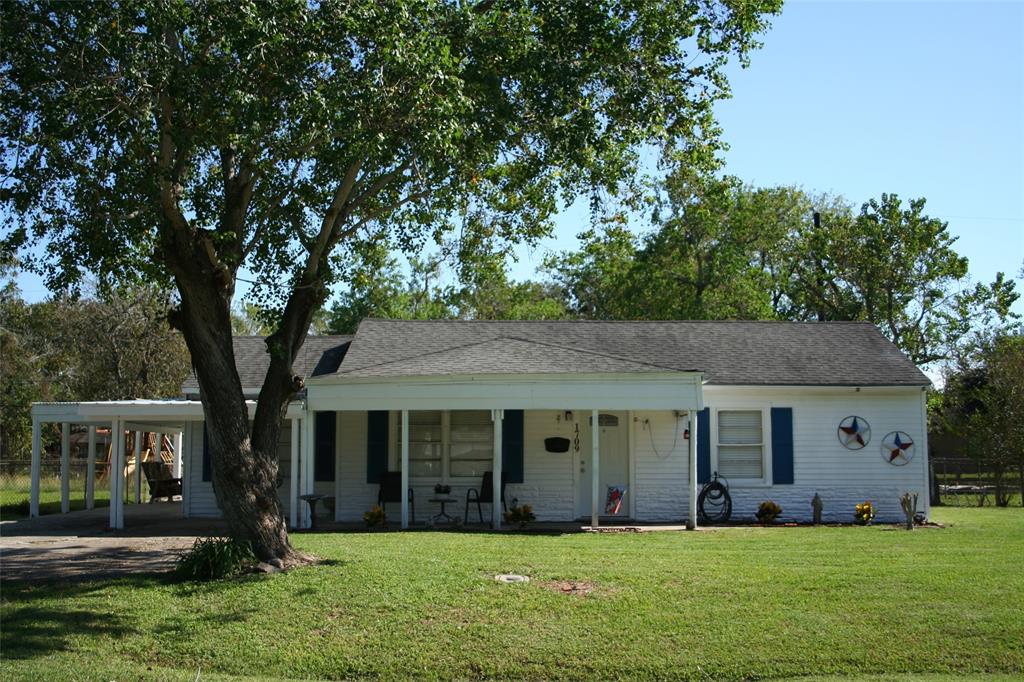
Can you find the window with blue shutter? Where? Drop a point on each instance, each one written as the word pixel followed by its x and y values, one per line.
pixel 512 446
pixel 376 445
pixel 325 426
pixel 782 445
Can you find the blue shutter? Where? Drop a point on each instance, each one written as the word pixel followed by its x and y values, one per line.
pixel 782 445
pixel 376 445
pixel 325 427
pixel 207 465
pixel 704 445
pixel 512 446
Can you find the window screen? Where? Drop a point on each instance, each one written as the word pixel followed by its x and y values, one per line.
pixel 425 443
pixel 740 444
pixel 472 443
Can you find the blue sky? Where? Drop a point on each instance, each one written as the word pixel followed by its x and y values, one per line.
pixel 921 99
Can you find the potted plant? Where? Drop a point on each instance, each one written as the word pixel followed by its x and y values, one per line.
pixel 520 516
pixel 375 518
pixel 768 512
pixel 864 513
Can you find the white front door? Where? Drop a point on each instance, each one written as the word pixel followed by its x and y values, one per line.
pixel 613 469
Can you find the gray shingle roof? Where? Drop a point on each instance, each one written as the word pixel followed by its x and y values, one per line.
pixel 318 355
pixel 730 353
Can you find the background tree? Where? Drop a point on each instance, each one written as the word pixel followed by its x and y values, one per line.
pixel 983 404
pixel 185 140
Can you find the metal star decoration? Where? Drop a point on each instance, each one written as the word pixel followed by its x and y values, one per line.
pixel 897 448
pixel 854 432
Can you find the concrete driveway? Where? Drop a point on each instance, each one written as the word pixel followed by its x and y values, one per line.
pixel 78 545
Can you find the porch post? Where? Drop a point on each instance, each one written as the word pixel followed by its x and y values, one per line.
pixel 595 469
pixel 176 465
pixel 37 462
pixel 405 468
pixel 691 522
pixel 65 468
pixel 306 467
pixel 497 416
pixel 158 438
pixel 117 473
pixel 185 467
pixel 293 476
pixel 138 467
pixel 90 471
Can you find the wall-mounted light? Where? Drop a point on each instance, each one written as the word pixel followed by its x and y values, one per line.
pixel 568 415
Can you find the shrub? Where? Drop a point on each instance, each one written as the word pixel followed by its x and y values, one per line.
pixel 520 516
pixel 864 513
pixel 215 558
pixel 767 512
pixel 375 518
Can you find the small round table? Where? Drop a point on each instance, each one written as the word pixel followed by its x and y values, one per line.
pixel 443 501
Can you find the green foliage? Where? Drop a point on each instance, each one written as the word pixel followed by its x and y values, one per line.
pixel 799 602
pixel 722 250
pixel 215 558
pixel 244 126
pixel 983 403
pixel 111 346
pixel 767 512
pixel 520 516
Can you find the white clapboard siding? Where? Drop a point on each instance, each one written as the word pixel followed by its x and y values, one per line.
pixel 661 460
pixel 201 501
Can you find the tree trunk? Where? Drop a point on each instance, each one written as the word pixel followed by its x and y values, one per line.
pixel 243 457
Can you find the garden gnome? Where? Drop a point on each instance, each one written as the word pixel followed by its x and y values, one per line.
pixel 816 505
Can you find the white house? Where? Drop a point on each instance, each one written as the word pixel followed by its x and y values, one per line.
pixel 564 410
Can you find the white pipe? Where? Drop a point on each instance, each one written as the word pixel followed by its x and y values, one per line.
pixel 176 467
pixel 117 473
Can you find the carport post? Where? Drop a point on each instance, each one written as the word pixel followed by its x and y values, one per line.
pixel 497 416
pixel 158 438
pixel 90 471
pixel 405 468
pixel 691 523
pixel 117 473
pixel 293 476
pixel 65 467
pixel 138 467
pixel 37 457
pixel 176 466
pixel 595 468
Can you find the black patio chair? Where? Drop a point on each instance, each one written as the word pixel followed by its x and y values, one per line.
pixel 391 491
pixel 485 494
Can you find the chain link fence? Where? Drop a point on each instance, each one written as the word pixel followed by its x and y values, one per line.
pixel 16 486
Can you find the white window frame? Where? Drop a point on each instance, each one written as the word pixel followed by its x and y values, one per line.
pixel 766 440
pixel 446 477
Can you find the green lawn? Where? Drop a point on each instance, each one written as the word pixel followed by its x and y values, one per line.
pixel 730 604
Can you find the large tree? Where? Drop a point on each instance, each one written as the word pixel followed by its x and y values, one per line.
pixel 187 140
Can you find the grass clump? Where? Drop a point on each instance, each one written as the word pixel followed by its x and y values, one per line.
pixel 215 558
